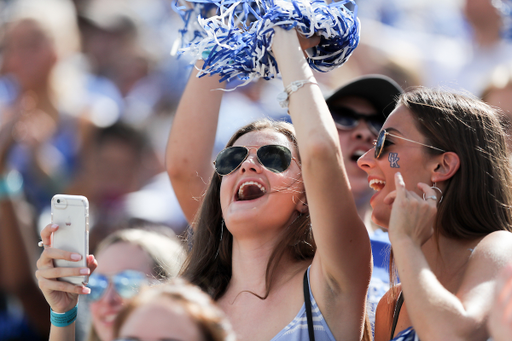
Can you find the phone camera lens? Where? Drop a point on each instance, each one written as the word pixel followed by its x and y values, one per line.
pixel 58 201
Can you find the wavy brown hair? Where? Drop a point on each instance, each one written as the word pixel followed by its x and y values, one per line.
pixel 209 262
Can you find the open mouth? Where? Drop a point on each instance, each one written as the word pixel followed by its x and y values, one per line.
pixel 357 154
pixel 377 184
pixel 250 190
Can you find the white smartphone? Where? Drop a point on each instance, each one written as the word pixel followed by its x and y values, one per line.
pixel 71 213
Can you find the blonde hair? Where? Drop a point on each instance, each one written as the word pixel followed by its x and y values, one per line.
pixel 209 318
pixel 166 253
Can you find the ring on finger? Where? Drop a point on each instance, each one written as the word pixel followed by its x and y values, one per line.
pixel 433 197
pixel 40 244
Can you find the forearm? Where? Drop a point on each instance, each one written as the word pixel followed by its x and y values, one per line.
pixel 190 144
pixel 339 232
pixel 428 302
pixel 17 265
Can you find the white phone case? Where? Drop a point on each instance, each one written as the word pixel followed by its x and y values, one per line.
pixel 71 213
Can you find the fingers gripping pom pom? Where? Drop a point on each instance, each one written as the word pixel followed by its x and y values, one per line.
pixel 234 38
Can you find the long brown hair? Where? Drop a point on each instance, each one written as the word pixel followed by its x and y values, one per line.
pixel 477 199
pixel 209 262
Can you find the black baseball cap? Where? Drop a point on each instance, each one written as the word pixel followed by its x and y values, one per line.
pixel 381 91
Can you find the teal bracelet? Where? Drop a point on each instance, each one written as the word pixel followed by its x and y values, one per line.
pixel 11 184
pixel 63 319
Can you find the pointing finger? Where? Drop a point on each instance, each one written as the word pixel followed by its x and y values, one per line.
pixel 400 186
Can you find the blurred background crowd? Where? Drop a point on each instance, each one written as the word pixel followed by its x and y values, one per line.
pixel 88 89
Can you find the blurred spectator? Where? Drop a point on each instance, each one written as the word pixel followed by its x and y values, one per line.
pixel 23 310
pixel 174 310
pixel 459 55
pixel 118 160
pixel 498 93
pixel 147 251
pixel 39 138
pixel 127 45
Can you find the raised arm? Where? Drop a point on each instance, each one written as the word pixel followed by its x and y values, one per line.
pixel 341 269
pixel 190 144
pixel 61 296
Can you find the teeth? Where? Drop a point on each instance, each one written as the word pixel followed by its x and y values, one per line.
pixel 377 184
pixel 109 318
pixel 241 189
pixel 359 153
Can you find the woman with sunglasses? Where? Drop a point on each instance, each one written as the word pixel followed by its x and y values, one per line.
pixel 443 189
pixel 253 247
pixel 126 260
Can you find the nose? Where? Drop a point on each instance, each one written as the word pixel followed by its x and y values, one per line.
pixel 363 133
pixel 367 161
pixel 111 296
pixel 251 163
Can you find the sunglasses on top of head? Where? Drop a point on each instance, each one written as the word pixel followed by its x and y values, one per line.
pixel 380 143
pixel 275 158
pixel 348 119
pixel 126 283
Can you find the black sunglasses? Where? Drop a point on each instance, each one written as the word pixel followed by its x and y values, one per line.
pixel 381 141
pixel 347 119
pixel 273 157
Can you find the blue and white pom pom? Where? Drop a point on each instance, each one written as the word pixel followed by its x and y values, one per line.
pixel 505 9
pixel 234 38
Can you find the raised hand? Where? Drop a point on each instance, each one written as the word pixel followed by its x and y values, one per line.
pixel 61 296
pixel 411 216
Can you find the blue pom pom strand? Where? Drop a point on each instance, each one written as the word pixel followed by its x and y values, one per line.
pixel 505 9
pixel 234 37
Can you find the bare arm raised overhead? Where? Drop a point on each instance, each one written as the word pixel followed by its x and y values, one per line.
pixel 341 268
pixel 189 151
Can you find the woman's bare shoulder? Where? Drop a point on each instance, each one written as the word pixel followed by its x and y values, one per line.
pixel 488 257
pixel 496 247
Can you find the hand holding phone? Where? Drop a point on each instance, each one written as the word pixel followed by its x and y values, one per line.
pixel 71 214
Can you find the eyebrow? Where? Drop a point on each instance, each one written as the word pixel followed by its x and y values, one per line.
pixel 393 130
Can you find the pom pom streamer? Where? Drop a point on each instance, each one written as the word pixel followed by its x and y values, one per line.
pixel 234 37
pixel 505 9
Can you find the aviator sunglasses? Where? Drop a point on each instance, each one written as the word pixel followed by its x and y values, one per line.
pixel 381 141
pixel 347 119
pixel 126 284
pixel 273 157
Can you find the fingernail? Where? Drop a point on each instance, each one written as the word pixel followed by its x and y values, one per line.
pixel 76 256
pixel 54 226
pixel 400 179
pixel 86 290
pixel 85 271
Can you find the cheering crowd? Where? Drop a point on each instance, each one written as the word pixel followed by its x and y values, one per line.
pixel 373 204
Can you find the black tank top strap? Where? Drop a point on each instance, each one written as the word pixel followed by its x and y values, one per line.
pixel 396 313
pixel 309 314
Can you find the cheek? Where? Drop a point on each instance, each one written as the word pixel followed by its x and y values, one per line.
pixel 225 192
pixel 393 159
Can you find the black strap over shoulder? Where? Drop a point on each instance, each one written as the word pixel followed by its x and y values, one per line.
pixel 309 314
pixel 396 313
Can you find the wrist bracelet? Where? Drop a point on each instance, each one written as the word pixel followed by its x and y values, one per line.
pixel 63 319
pixel 284 97
pixel 11 184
